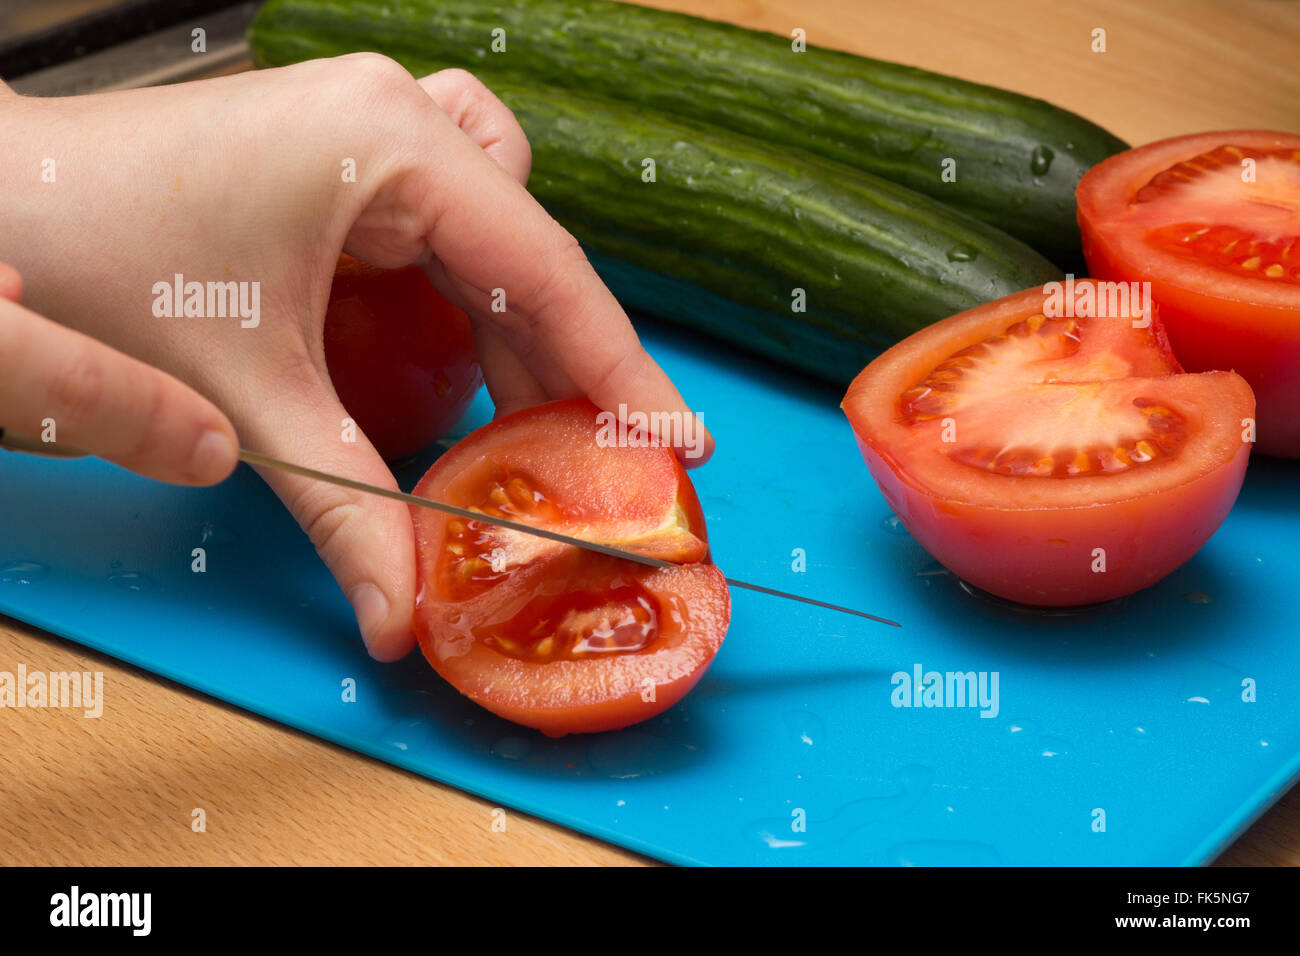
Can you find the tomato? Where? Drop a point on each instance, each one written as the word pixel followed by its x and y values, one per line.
pixel 1051 461
pixel 401 357
pixel 1212 221
pixel 545 634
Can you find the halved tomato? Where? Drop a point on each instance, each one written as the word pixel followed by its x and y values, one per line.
pixel 401 357
pixel 1212 221
pixel 546 634
pixel 1051 460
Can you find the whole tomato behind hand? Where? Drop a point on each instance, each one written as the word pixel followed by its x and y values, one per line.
pixel 401 357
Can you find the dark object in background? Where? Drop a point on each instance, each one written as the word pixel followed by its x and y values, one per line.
pixel 35 34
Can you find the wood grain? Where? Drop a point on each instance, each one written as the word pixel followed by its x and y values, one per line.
pixel 121 789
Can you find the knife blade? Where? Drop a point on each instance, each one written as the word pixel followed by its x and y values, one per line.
pixel 22 443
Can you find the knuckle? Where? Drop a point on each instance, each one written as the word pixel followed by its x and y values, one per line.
pixel 323 513
pixel 375 75
pixel 609 373
pixel 565 269
pixel 462 78
pixel 149 419
pixel 77 388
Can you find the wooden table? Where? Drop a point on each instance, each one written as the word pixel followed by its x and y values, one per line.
pixel 122 789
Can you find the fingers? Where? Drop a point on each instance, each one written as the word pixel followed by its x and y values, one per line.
pixel 493 250
pixel 512 386
pixel 498 247
pixel 55 381
pixel 366 541
pixel 484 118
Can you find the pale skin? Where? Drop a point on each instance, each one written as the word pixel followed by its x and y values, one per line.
pixel 240 178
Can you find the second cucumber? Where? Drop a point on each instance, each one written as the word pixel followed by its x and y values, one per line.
pixel 1006 159
pixel 798 259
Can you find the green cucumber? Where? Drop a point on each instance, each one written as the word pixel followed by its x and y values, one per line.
pixel 1017 159
pixel 730 228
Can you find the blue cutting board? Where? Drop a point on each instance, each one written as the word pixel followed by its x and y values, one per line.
pixel 1121 737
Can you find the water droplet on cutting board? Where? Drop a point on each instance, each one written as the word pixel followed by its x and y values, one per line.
pixel 892 525
pixel 943 853
pixel 909 784
pixel 1197 597
pixel 211 533
pixel 512 748
pixel 1209 682
pixel 130 581
pixel 933 569
pixel 1054 746
pixel 407 735
pixel 806 729
pixel 23 572
pixel 778 840
pixel 628 754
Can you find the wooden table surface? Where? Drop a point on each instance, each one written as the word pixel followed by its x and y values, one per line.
pixel 122 789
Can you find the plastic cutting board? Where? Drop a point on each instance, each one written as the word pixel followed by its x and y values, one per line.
pixel 1121 734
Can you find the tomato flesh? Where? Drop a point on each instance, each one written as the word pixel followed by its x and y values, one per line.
pixel 1020 449
pixel 545 634
pixel 400 356
pixel 1212 221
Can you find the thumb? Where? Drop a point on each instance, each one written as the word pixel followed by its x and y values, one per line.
pixel 366 541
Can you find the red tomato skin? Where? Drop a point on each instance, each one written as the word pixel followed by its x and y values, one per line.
pixel 571 696
pixel 1259 343
pixel 1046 558
pixel 1214 322
pixel 400 356
pixel 508 687
pixel 1041 552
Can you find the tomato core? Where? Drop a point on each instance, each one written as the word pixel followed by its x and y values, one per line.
pixel 546 634
pixel 993 382
pixel 621 618
pixel 1260 189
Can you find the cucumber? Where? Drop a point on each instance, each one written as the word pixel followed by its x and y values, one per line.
pixel 1017 159
pixel 730 228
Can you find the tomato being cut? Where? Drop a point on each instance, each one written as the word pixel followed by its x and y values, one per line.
pixel 546 634
pixel 1212 221
pixel 401 357
pixel 1051 460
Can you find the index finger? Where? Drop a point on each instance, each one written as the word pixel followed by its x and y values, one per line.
pixel 500 248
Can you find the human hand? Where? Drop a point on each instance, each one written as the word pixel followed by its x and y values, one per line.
pixel 104 402
pixel 243 179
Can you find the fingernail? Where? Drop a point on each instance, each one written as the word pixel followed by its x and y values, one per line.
pixel 370 607
pixel 212 459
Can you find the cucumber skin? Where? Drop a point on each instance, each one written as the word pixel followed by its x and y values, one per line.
pixel 732 226
pixel 897 122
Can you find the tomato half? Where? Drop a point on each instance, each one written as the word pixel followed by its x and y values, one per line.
pixel 1051 461
pixel 401 357
pixel 545 634
pixel 1212 221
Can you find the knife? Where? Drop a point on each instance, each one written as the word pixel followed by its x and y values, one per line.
pixel 22 443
